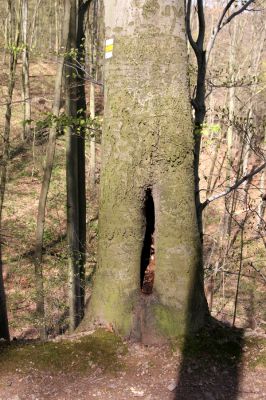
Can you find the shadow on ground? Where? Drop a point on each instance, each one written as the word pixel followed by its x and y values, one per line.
pixel 211 364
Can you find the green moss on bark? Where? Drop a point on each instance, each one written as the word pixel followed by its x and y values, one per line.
pixel 170 323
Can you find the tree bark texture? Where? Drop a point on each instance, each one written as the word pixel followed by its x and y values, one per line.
pixel 147 146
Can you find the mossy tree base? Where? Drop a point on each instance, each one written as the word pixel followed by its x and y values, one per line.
pixel 147 146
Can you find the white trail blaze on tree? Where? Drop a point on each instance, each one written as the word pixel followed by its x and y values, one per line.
pixel 147 182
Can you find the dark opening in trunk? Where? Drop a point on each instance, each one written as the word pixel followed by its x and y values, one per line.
pixel 148 255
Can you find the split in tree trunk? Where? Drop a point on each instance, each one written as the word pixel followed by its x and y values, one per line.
pixel 147 267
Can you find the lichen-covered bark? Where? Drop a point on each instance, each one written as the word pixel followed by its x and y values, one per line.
pixel 147 143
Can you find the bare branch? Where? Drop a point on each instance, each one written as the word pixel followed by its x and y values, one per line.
pixel 188 28
pixel 258 271
pixel 233 187
pixel 237 12
pixel 201 19
pixel 221 23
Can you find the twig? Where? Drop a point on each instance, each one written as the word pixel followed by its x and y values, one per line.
pixel 221 23
pixel 233 187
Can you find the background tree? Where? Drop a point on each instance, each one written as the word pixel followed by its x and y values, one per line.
pixel 13 40
pixel 202 57
pixel 40 296
pixel 25 69
pixel 75 161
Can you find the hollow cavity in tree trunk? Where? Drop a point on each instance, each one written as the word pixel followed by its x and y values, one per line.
pixel 147 265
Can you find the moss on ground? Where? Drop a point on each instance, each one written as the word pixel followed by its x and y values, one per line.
pixel 102 349
pixel 255 352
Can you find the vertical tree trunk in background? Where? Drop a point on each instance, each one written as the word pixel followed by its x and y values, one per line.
pixel 14 26
pixel 56 26
pixel 75 164
pixel 50 26
pixel 25 72
pixel 230 131
pixel 262 205
pixel 40 299
pixel 6 39
pixel 213 163
pixel 256 59
pixel 231 105
pixel 81 106
pixel 92 161
pixel 33 23
pixel 93 68
pixel 72 175
pixel 4 329
pixel 147 180
pixel 198 101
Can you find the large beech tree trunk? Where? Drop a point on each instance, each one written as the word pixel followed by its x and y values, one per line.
pixel 147 181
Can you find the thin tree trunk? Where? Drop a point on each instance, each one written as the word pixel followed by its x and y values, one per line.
pixel 230 131
pixel 213 163
pixel 75 166
pixel 218 175
pixel 93 68
pixel 92 161
pixel 14 40
pixel 25 72
pixel 239 273
pixel 40 300
pixel 33 24
pixel 81 106
pixel 232 203
pixel 56 26
pixel 255 60
pixel 6 40
pixel 72 175
pixel 231 106
pixel 4 329
pixel 262 205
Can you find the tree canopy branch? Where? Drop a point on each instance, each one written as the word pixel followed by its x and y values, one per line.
pixel 233 187
pixel 239 11
pixel 201 19
pixel 188 28
pixel 221 23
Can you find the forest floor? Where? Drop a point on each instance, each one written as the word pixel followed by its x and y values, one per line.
pixel 99 365
pixel 102 366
